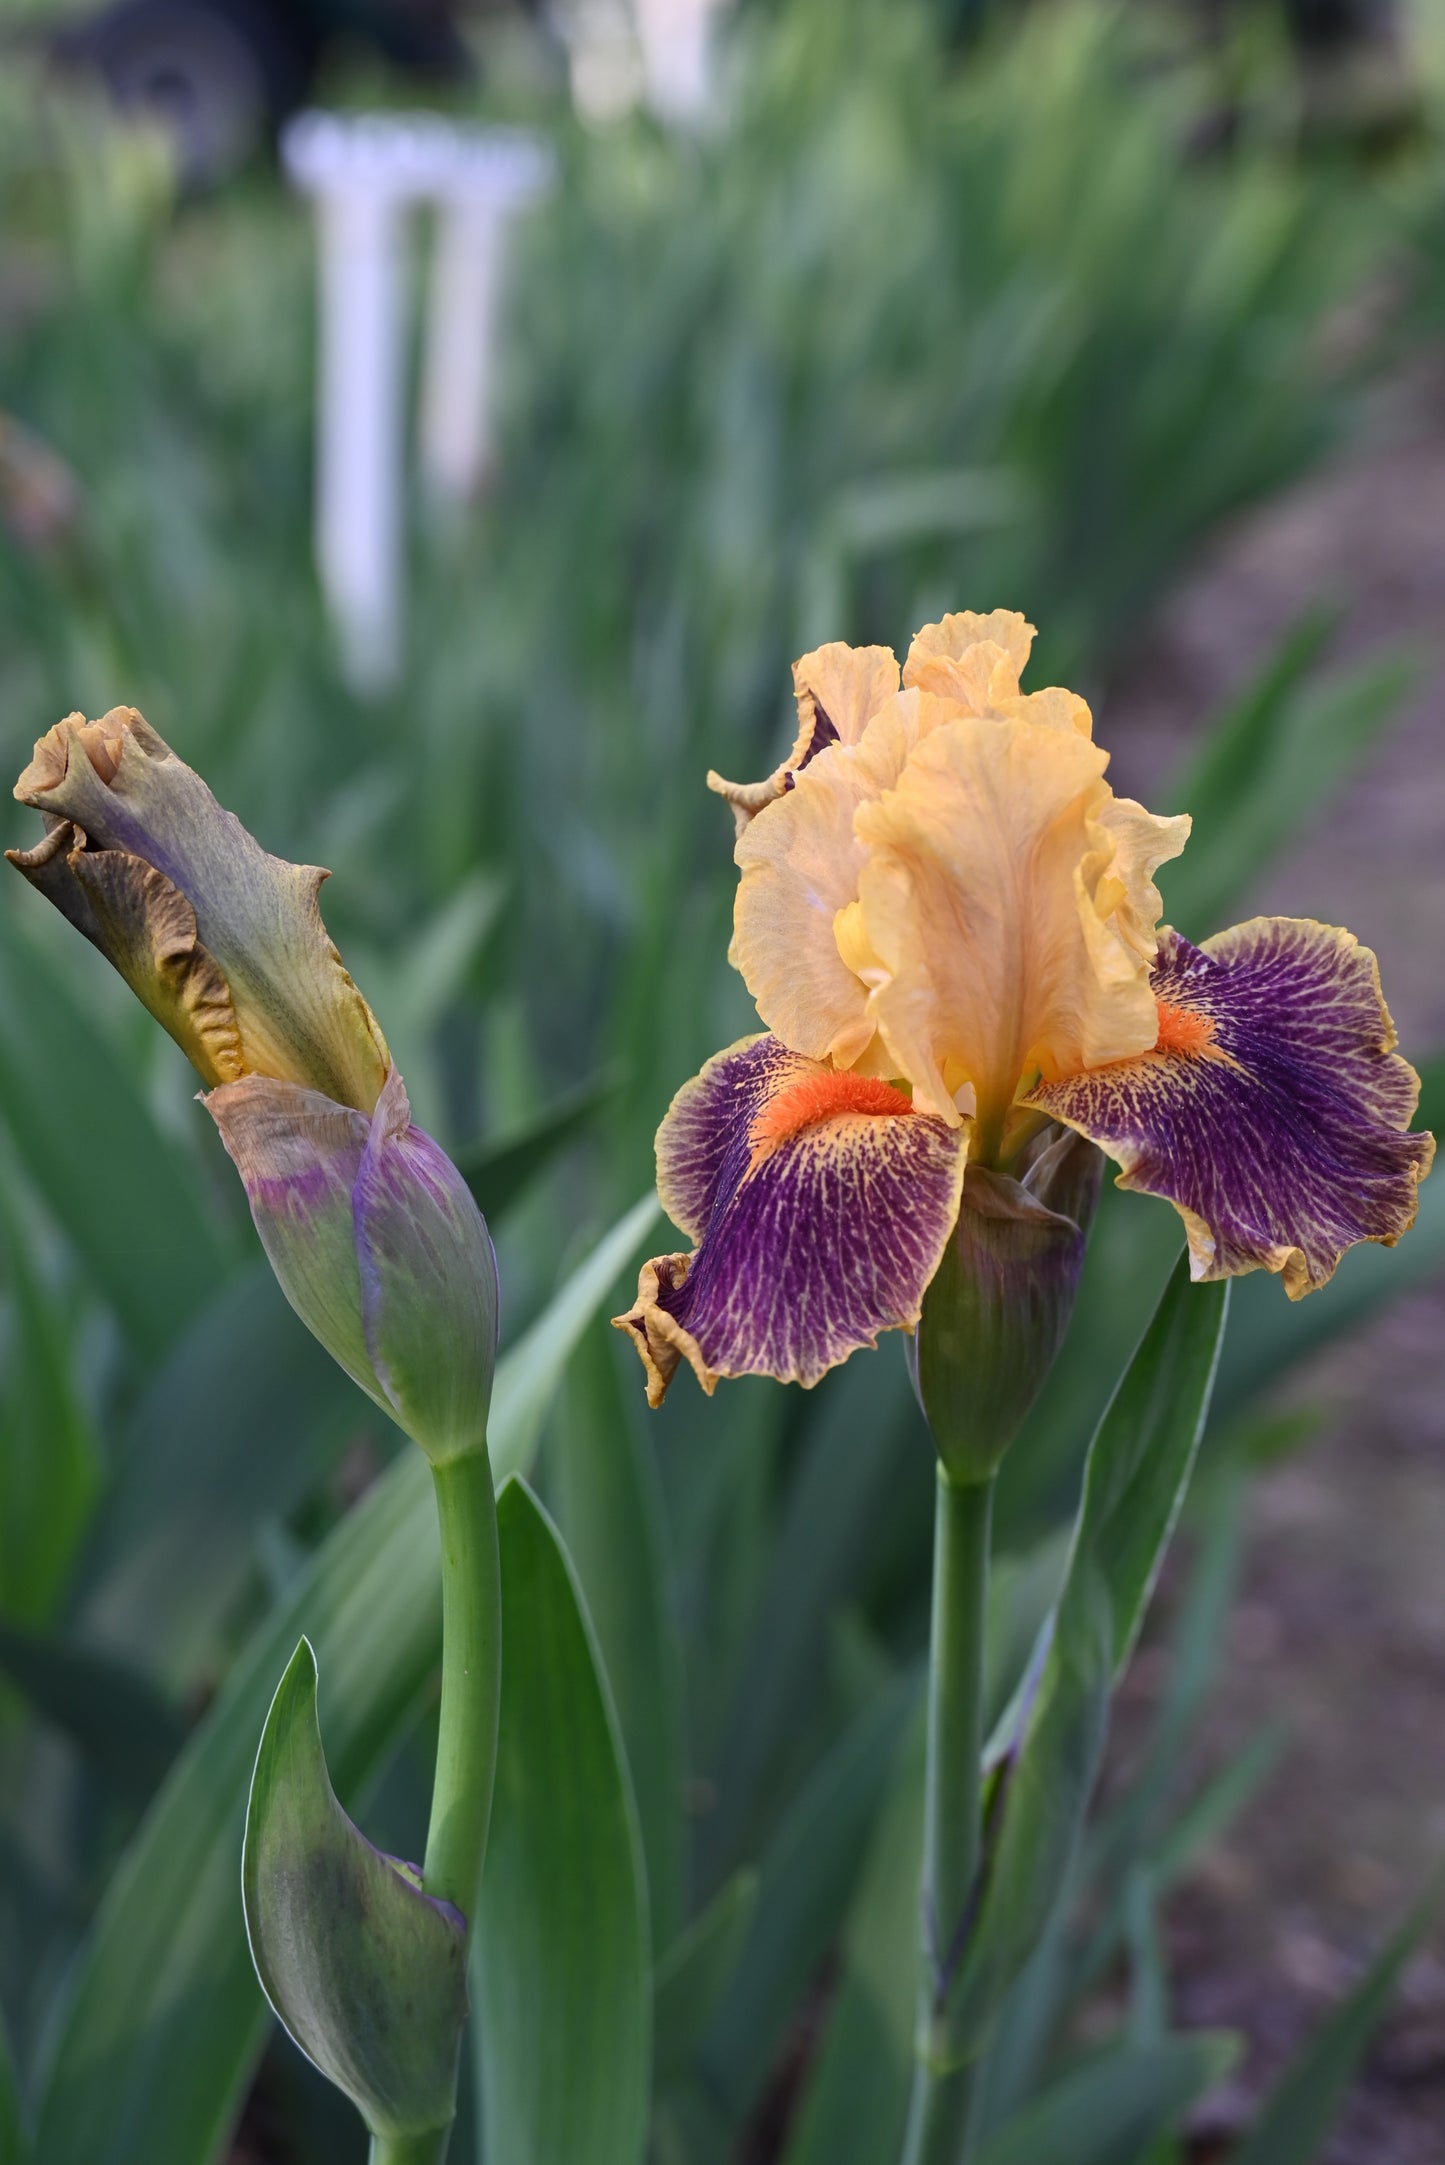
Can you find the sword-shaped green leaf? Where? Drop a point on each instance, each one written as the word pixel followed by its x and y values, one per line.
pixel 1134 1484
pixel 563 1963
pixel 152 2051
pixel 366 1971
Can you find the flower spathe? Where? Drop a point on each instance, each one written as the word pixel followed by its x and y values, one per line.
pixel 372 1232
pixel 951 929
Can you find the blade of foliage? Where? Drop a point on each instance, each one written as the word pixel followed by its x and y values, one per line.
pixel 719 1461
pixel 114 1715
pixel 693 1973
pixel 1148 1983
pixel 163 2017
pixel 562 1962
pixel 416 985
pixel 1207 1815
pixel 142 1231
pixel 1194 1656
pixel 1134 1483
pixel 1268 1335
pixel 367 1973
pixel 50 1466
pixel 854 2107
pixel 1109 2111
pixel 500 1172
pixel 14 2140
pixel 805 1880
pixel 1265 773
pixel 176 1537
pixel 854 1457
pixel 610 1510
pixel 1296 2118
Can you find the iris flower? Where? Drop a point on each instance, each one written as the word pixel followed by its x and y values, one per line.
pixel 950 926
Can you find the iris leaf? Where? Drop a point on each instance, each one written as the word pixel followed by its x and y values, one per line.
pixel 1134 1483
pixel 113 1714
pixel 854 1461
pixel 14 2141
pixel 610 1510
pixel 50 1465
pixel 1296 2118
pixel 367 1973
pixel 499 1173
pixel 692 1975
pixel 805 1882
pixel 1107 2112
pixel 854 2108
pixel 142 1230
pixel 151 2053
pixel 1268 768
pixel 562 1964
pixel 175 1541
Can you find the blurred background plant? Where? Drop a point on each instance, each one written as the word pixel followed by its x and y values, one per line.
pixel 940 307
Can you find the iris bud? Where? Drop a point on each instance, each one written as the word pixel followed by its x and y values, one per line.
pixel 377 1244
pixel 369 1227
pixel 996 1312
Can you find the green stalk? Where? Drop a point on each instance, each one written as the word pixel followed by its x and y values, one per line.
pixel 428 2149
pixel 938 2116
pixel 461 1805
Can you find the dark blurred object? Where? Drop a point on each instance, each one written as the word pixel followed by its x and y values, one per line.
pixel 221 74
pixel 1354 80
pixel 1348 60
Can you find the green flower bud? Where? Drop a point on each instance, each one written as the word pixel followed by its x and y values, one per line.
pixel 995 1314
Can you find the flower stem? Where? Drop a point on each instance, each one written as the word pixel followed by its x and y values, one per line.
pixel 938 2115
pixel 461 1805
pixel 428 2149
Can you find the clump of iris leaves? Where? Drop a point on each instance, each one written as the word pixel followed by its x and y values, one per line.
pixel 915 326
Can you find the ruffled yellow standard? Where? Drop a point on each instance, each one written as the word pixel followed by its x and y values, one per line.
pixel 941 894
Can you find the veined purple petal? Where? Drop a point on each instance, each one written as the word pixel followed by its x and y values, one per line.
pixel 821 1204
pixel 1272 1112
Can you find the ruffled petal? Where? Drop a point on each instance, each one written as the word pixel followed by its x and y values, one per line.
pixel 300 1017
pixel 838 688
pixel 800 861
pixel 146 928
pixel 945 657
pixel 824 1202
pixel 991 893
pixel 978 660
pixel 1272 1108
pixel 1133 845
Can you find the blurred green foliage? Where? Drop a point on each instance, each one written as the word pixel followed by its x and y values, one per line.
pixel 912 329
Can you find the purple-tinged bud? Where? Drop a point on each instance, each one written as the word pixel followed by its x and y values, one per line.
pixel 378 1246
pixel 995 1314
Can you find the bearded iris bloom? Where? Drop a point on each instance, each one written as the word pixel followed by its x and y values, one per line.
pixel 371 1230
pixel 951 929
